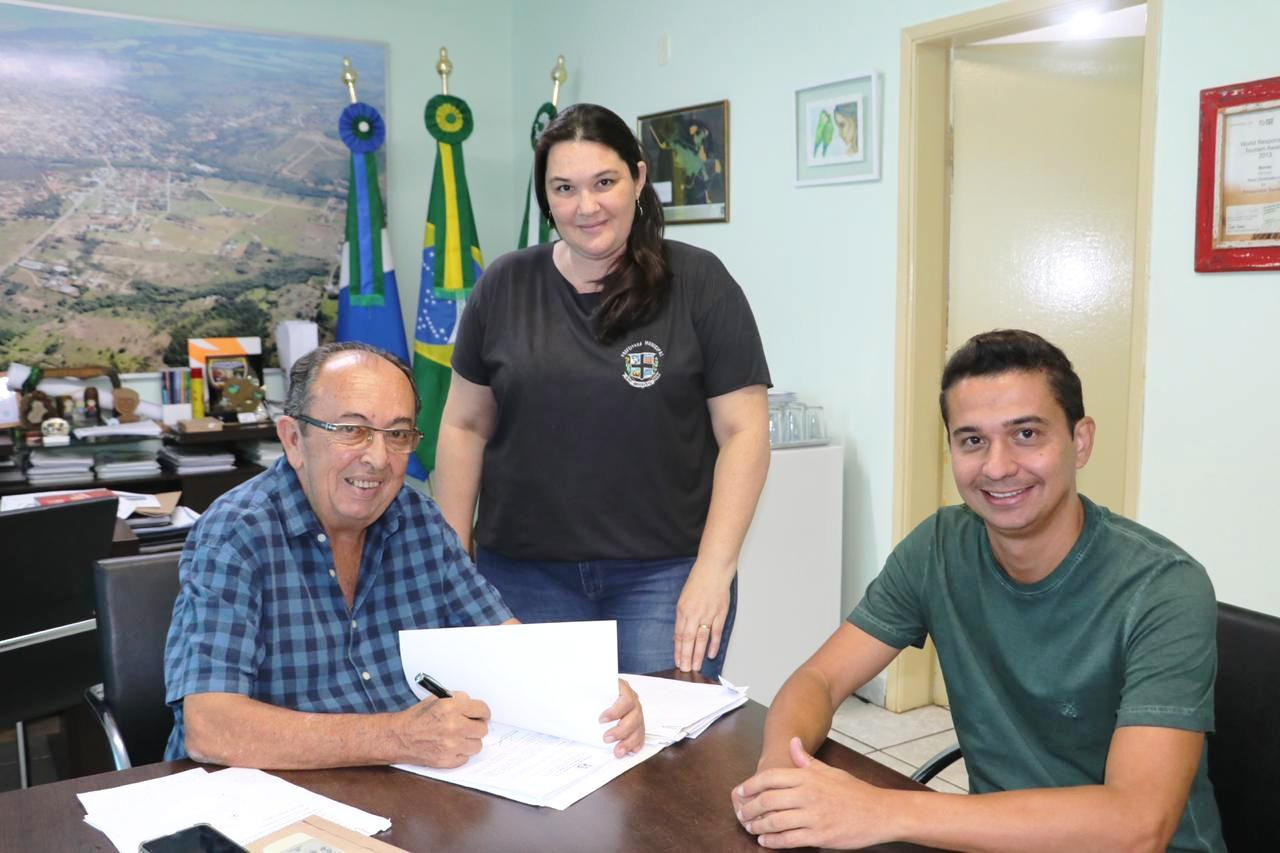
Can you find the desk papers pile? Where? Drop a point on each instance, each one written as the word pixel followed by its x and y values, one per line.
pixel 243 804
pixel 49 468
pixel 195 460
pixel 546 685
pixel 674 710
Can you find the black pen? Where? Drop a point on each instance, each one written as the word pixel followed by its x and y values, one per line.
pixel 432 686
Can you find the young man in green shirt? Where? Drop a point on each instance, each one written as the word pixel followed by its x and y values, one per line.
pixel 1078 647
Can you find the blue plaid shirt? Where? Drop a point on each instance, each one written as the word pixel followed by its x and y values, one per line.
pixel 260 611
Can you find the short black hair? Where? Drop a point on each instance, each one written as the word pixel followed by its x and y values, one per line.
pixel 304 370
pixel 1003 350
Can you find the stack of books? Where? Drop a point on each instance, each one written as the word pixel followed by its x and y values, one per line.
pixel 196 460
pixel 125 464
pixel 46 468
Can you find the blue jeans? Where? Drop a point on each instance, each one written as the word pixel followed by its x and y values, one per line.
pixel 640 594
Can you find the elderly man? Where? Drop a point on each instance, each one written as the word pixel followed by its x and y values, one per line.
pixel 283 650
pixel 1078 647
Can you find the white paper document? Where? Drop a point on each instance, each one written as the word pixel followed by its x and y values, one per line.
pixel 546 685
pixel 553 677
pixel 243 804
pixel 537 769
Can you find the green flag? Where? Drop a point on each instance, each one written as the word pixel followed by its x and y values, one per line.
pixel 451 263
pixel 535 228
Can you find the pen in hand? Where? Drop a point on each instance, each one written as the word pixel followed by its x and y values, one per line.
pixel 432 686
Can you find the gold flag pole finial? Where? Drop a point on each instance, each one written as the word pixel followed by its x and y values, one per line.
pixel 444 68
pixel 349 78
pixel 558 76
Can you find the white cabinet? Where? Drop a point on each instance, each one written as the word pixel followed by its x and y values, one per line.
pixel 789 573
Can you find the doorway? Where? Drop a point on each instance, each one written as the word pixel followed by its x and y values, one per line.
pixel 947 241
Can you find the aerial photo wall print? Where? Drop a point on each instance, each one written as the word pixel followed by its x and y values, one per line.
pixel 160 181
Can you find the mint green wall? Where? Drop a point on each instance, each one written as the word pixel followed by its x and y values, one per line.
pixel 1211 438
pixel 478 35
pixel 819 264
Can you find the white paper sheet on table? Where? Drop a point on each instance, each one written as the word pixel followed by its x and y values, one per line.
pixel 537 769
pixel 553 677
pixel 243 804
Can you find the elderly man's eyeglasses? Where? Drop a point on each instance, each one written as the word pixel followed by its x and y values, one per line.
pixel 397 439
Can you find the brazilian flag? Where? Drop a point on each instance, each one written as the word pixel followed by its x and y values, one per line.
pixel 451 264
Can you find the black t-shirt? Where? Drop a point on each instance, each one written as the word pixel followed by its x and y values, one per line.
pixel 602 452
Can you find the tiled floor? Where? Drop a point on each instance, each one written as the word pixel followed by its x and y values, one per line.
pixel 904 742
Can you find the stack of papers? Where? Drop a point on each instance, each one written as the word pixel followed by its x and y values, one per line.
pixel 142 427
pixel 149 527
pixel 125 464
pixel 546 685
pixel 190 460
pixel 263 453
pixel 675 710
pixel 243 804
pixel 48 468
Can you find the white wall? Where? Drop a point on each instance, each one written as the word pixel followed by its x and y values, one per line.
pixel 1211 442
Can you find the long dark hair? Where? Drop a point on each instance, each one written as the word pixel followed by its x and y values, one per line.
pixel 637 284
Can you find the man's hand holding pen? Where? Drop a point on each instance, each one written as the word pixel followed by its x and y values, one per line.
pixel 460 741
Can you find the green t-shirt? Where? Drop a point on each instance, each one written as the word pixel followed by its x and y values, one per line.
pixel 1121 633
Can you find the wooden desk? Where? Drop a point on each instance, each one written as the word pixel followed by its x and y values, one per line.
pixel 676 801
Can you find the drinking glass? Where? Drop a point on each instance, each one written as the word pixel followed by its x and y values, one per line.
pixel 792 423
pixel 815 424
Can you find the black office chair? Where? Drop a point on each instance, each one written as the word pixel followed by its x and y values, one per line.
pixel 135 598
pixel 937 764
pixel 48 644
pixel 1244 753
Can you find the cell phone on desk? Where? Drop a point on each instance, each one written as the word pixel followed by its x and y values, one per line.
pixel 201 838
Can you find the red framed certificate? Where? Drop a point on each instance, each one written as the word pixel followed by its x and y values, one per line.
pixel 1238 187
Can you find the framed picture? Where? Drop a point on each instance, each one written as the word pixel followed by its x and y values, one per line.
pixel 170 181
pixel 838 131
pixel 1238 188
pixel 688 154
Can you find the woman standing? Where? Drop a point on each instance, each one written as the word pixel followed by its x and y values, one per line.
pixel 608 406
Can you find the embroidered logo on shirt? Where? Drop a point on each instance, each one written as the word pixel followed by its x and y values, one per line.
pixel 1067 708
pixel 642 362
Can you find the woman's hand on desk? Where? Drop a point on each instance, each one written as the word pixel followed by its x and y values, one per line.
pixel 443 732
pixel 629 732
pixel 810 804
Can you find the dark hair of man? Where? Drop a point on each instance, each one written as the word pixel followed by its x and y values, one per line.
pixel 636 285
pixel 1003 350
pixel 303 374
